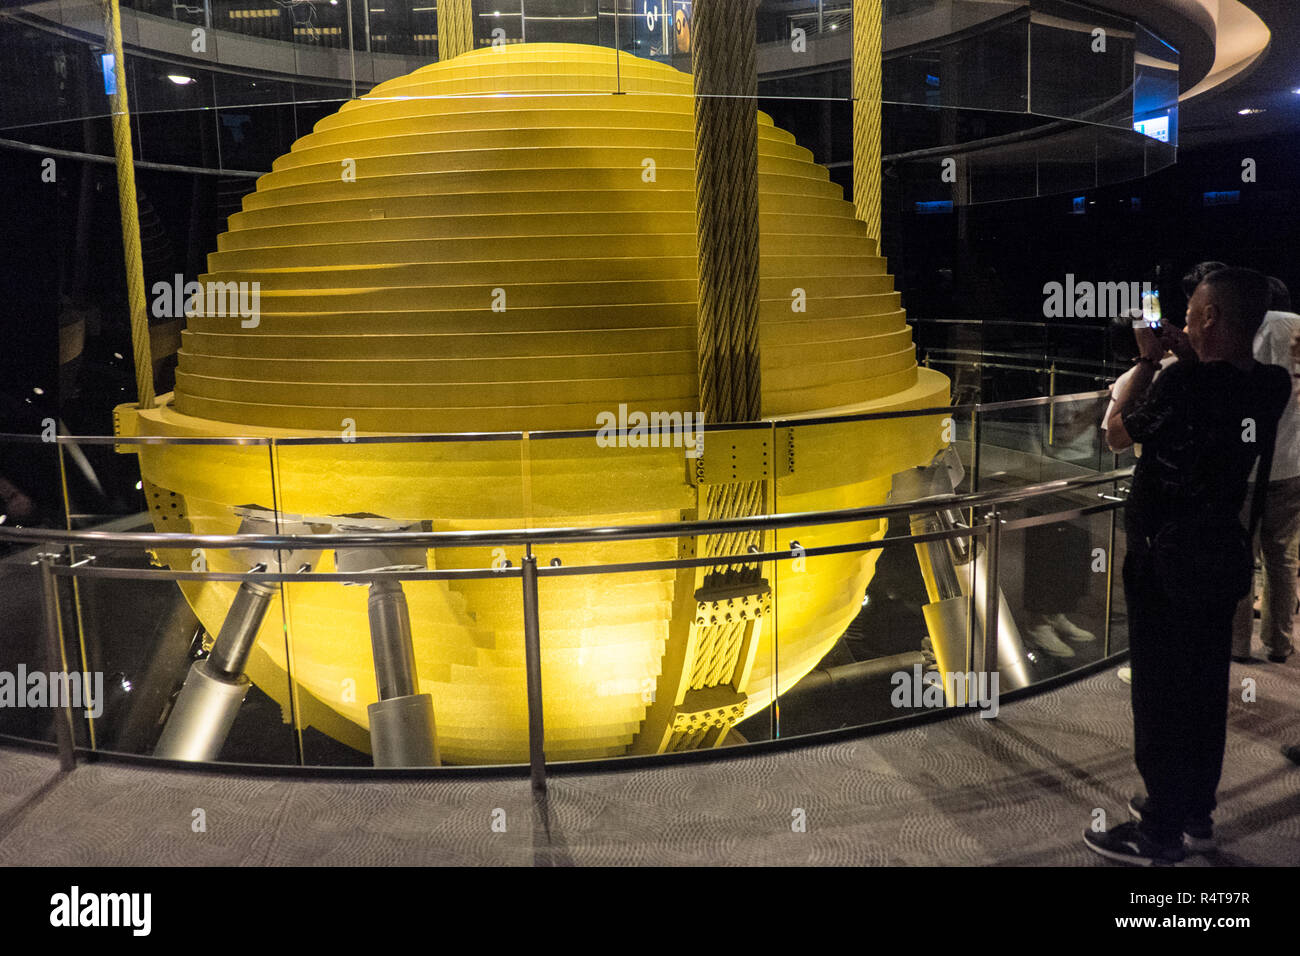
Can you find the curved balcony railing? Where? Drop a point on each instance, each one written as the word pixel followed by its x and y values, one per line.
pixel 1010 100
pixel 1026 533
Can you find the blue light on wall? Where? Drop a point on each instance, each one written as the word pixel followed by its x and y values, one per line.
pixel 1226 197
pixel 934 207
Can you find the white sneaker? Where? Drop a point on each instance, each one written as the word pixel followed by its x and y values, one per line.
pixel 1070 630
pixel 1125 674
pixel 1045 637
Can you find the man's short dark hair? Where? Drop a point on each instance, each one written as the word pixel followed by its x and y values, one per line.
pixel 1242 296
pixel 1198 272
pixel 1279 299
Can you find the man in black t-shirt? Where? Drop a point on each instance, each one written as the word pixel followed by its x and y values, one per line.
pixel 1201 426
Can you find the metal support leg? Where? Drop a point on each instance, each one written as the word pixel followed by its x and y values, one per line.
pixel 402 731
pixel 214 690
pixel 953 617
pixel 54 649
pixel 533 669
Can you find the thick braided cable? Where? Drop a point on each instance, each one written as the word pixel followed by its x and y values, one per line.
pixel 129 211
pixel 868 32
pixel 455 28
pixel 726 204
pixel 726 208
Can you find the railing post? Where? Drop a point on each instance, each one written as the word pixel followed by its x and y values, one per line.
pixel 991 593
pixel 533 671
pixel 972 609
pixel 54 648
pixel 1051 408
pixel 1110 581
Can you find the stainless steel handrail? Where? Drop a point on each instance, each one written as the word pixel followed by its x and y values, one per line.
pixel 529 572
pixel 675 529
pixel 544 435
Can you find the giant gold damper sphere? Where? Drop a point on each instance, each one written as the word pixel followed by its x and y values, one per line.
pixel 494 244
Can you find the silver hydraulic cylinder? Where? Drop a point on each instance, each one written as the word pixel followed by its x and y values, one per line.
pixel 402 729
pixel 402 732
pixel 947 586
pixel 215 687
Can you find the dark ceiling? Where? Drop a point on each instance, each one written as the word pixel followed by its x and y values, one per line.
pixel 1213 119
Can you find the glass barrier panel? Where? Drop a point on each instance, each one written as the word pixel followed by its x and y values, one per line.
pixel 1054 576
pixel 1012 445
pixel 1076 442
pixel 464 634
pixel 1156 88
pixel 618 675
pixel 30 498
pixel 171 111
pixel 26 709
pixel 639 637
pixel 1081 64
pixel 896 650
pixel 256 121
pixel 973 57
pixel 148 636
pixel 848 465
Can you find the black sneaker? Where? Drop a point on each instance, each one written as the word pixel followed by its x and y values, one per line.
pixel 1127 844
pixel 1280 658
pixel 1198 835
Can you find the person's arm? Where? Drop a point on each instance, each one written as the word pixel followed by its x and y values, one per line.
pixel 1144 372
pixel 1117 436
pixel 1117 439
pixel 1139 381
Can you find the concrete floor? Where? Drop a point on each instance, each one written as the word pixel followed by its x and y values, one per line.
pixel 1015 791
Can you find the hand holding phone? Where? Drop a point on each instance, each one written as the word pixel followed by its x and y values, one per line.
pixel 1148 343
pixel 1175 340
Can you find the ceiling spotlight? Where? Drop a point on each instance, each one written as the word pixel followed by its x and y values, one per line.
pixel 1249 111
pixel 180 79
